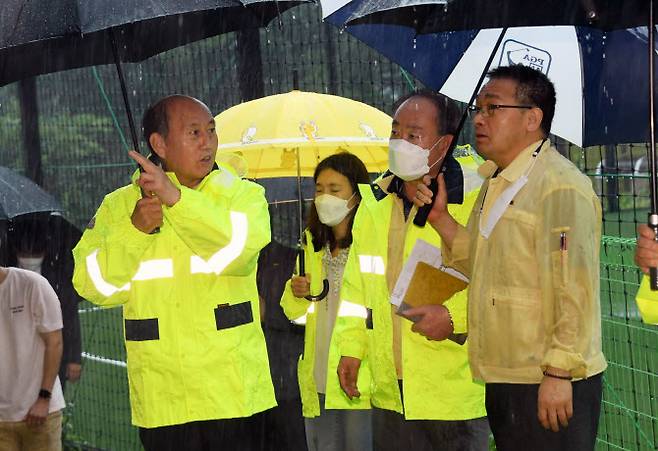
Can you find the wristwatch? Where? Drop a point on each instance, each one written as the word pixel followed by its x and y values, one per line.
pixel 45 394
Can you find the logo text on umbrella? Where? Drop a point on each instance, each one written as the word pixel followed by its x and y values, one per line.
pixel 516 52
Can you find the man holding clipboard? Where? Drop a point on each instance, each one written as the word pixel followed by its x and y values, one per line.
pixel 423 392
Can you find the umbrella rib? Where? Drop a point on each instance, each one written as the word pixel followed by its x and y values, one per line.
pixel 11 33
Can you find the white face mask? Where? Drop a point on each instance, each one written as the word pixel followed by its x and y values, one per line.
pixel 331 209
pixel 30 263
pixel 409 161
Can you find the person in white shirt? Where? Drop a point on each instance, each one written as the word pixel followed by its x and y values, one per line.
pixel 31 399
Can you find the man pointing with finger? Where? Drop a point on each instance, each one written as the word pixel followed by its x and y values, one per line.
pixel 178 249
pixel 531 249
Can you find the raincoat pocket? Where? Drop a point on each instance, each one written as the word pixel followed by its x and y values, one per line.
pixel 228 316
pixel 514 311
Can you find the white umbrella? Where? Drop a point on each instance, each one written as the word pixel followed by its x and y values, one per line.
pixel 553 50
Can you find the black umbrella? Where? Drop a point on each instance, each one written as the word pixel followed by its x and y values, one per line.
pixel 40 36
pixel 444 15
pixel 20 195
pixel 43 36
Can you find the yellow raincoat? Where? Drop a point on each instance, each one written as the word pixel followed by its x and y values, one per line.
pixel 348 337
pixel 195 347
pixel 437 380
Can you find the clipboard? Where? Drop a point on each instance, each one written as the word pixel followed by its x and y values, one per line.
pixel 430 285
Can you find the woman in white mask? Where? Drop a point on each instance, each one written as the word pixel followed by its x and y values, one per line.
pixel 337 412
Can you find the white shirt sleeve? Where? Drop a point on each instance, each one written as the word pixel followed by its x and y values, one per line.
pixel 46 309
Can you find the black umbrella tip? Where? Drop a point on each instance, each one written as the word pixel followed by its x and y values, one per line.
pixel 591 15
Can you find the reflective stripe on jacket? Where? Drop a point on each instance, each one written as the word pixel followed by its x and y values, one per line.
pixel 195 347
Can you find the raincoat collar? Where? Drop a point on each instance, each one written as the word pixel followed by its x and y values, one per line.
pixel 516 168
pixel 174 179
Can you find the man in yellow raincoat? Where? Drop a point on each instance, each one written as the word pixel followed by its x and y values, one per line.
pixel 534 314
pixel 178 249
pixel 422 388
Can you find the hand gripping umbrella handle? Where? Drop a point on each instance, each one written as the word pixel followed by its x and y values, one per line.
pixel 155 160
pixel 423 212
pixel 302 272
pixel 653 272
pixel 653 214
pixel 126 101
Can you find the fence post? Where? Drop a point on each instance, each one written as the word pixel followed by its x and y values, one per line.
pixel 27 95
pixel 250 64
pixel 331 58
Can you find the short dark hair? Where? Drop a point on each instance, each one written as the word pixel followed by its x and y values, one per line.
pixel 28 234
pixel 355 171
pixel 533 88
pixel 156 120
pixel 447 110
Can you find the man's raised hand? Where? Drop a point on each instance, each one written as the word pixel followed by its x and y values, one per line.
pixel 147 215
pixel 154 182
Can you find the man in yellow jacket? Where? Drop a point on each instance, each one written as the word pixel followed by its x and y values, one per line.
pixel 178 249
pixel 534 313
pixel 422 388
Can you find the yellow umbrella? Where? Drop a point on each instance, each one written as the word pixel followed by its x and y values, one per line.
pixel 268 132
pixel 287 135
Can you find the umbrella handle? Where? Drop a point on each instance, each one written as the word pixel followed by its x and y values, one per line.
pixel 302 272
pixel 157 229
pixel 322 295
pixel 423 212
pixel 126 101
pixel 653 214
pixel 155 160
pixel 653 272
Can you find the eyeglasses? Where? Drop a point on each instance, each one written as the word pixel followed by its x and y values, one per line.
pixel 489 109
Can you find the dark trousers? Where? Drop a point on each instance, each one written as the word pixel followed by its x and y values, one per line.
pixel 282 427
pixel 233 434
pixel 391 432
pixel 512 413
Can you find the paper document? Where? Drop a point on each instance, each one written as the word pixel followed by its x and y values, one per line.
pixel 428 283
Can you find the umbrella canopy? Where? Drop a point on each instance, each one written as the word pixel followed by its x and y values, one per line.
pixel 428 16
pixel 599 100
pixel 20 195
pixel 43 36
pixel 268 132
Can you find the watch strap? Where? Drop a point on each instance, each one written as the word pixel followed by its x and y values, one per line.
pixel 45 394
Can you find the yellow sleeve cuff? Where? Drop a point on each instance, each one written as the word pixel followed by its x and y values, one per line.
pixel 354 349
pixel 568 361
pixel 292 306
